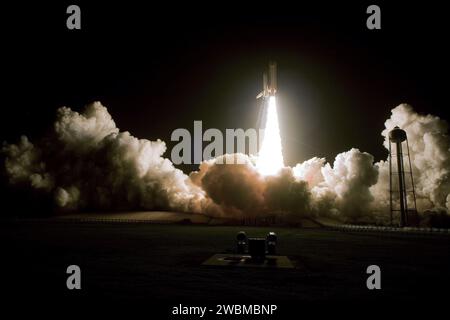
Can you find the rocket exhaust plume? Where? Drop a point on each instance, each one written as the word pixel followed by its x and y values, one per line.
pixel 87 163
pixel 270 157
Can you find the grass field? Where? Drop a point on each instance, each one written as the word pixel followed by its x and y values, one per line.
pixel 132 262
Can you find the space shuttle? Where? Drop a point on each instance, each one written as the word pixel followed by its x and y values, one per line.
pixel 269 83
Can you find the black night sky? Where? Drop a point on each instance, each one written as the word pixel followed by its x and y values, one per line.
pixel 158 68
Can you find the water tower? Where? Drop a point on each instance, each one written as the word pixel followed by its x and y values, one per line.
pixel 398 185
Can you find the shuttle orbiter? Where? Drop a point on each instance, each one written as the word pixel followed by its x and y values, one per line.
pixel 269 87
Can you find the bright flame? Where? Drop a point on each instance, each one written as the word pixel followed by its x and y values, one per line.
pixel 270 157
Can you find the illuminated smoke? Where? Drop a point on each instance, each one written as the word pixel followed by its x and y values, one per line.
pixel 429 146
pixel 270 157
pixel 87 163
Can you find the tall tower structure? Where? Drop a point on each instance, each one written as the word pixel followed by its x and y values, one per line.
pixel 398 185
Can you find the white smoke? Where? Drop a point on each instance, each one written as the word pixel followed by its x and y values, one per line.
pixel 86 163
pixel 342 189
pixel 429 146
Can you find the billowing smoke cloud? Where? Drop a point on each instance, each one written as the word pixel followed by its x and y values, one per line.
pixel 429 146
pixel 239 189
pixel 342 189
pixel 86 163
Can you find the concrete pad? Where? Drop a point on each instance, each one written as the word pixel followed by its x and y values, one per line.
pixel 239 260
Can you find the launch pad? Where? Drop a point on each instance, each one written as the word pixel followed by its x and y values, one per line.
pixel 244 260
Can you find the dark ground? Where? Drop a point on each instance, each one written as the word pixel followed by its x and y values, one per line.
pixel 162 264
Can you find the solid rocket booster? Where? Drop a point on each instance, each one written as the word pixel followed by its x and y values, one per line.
pixel 270 83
